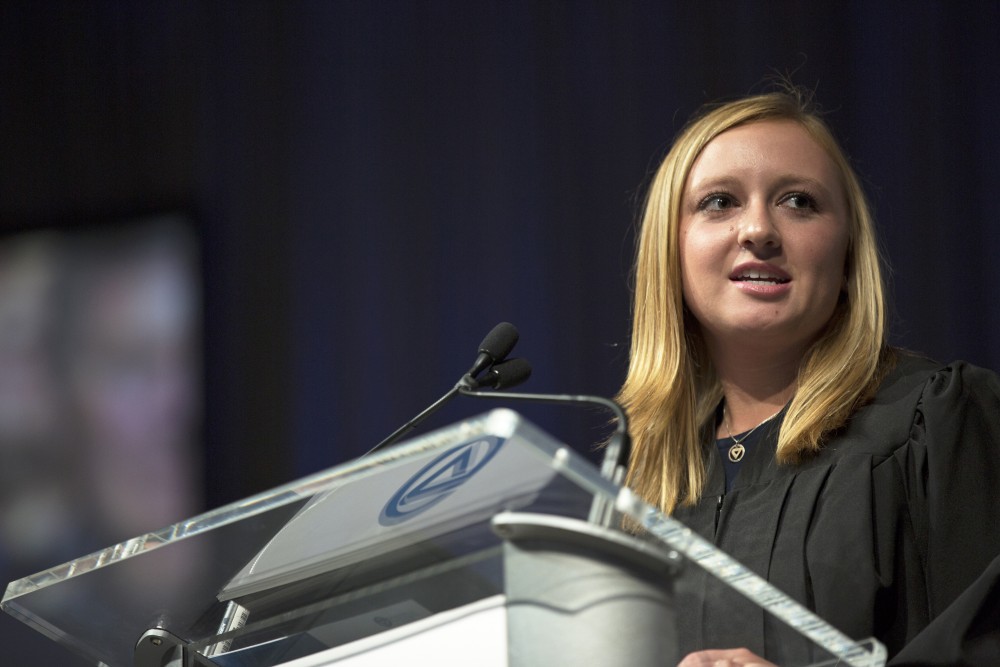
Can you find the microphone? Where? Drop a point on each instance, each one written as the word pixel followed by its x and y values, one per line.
pixel 493 350
pixel 505 374
pixel 495 347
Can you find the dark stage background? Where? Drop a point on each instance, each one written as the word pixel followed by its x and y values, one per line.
pixel 376 184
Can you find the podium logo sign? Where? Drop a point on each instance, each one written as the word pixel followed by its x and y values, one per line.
pixel 438 479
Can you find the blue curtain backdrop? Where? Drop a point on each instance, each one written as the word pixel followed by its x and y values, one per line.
pixel 378 183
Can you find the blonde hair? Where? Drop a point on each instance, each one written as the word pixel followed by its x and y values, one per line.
pixel 671 391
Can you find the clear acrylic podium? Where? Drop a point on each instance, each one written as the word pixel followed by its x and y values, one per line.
pixel 485 543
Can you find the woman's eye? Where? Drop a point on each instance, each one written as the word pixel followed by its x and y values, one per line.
pixel 716 202
pixel 799 200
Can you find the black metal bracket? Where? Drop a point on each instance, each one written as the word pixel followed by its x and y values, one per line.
pixel 161 648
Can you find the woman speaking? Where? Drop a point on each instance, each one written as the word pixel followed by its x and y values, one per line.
pixel 770 415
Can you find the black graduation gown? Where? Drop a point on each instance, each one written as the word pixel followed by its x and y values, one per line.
pixel 879 533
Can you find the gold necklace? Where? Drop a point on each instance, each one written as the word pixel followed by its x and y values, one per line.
pixel 737 450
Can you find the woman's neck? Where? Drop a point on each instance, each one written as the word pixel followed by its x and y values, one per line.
pixel 755 386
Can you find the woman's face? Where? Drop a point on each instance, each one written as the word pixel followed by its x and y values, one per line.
pixel 763 237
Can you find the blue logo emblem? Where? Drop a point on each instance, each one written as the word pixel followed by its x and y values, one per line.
pixel 438 479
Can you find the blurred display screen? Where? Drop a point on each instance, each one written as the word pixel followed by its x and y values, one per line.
pixel 100 389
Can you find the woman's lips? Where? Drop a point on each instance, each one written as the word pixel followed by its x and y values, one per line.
pixel 760 279
pixel 763 287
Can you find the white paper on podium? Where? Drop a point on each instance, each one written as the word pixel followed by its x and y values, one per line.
pixel 410 500
pixel 472 634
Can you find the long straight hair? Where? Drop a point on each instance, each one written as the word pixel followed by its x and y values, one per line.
pixel 671 390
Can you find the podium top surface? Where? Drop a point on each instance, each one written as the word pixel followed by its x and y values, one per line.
pixel 378 542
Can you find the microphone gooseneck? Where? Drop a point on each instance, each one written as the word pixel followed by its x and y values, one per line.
pixel 494 349
pixel 619 448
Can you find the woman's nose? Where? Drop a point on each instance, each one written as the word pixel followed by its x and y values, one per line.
pixel 757 230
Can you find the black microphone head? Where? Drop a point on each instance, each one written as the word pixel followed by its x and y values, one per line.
pixel 506 374
pixel 495 347
pixel 500 341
